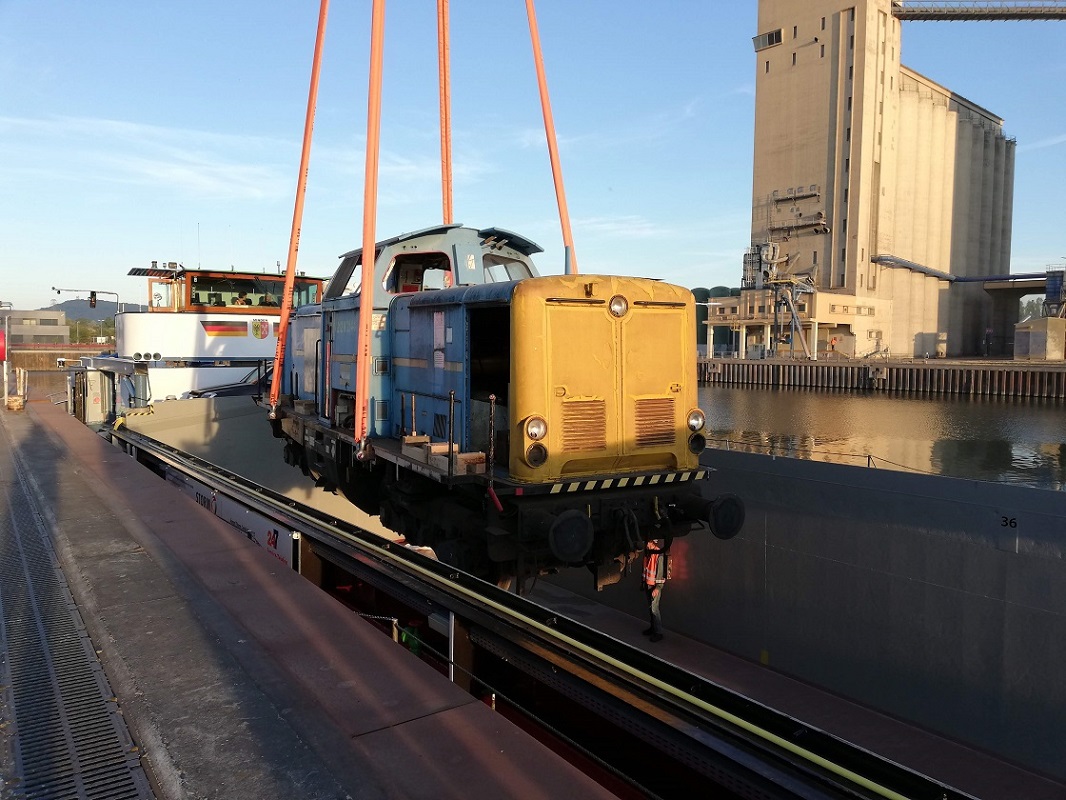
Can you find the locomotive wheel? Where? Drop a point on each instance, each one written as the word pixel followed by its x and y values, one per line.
pixel 727 516
pixel 571 537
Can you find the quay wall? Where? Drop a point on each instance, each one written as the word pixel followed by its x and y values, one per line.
pixel 978 378
pixel 44 356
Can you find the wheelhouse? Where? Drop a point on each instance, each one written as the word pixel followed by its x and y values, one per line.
pixel 172 288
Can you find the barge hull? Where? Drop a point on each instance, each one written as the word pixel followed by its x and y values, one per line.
pixel 937 600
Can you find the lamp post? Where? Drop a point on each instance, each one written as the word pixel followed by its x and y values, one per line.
pixel 118 304
pixel 7 343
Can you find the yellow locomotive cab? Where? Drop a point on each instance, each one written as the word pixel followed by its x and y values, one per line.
pixel 602 378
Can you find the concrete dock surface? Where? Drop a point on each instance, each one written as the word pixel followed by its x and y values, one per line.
pixel 238 678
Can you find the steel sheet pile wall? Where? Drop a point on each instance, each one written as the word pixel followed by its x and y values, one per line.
pixel 1007 380
pixel 939 600
pixel 936 600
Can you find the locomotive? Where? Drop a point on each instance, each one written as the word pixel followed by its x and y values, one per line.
pixel 517 424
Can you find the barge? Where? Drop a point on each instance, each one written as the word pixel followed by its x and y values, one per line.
pixel 202 328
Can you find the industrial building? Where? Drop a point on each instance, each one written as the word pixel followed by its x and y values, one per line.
pixel 881 200
pixel 35 327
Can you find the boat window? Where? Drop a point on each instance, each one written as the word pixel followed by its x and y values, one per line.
pixel 159 294
pixel 223 291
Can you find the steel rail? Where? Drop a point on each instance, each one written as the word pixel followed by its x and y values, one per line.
pixel 738 716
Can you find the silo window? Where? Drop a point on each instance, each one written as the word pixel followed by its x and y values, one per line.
pixel 764 40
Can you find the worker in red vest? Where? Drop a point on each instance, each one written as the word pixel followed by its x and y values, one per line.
pixel 656 573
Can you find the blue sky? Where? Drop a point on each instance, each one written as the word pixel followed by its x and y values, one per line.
pixel 132 132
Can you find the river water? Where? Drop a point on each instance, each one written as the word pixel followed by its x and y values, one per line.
pixel 984 438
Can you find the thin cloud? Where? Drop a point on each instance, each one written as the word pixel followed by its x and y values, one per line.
pixel 1052 141
pixel 202 177
pixel 653 127
pixel 630 226
pixel 106 151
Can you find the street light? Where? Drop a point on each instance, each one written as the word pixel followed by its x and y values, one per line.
pixel 7 342
pixel 118 305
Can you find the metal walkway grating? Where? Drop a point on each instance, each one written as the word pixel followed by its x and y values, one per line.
pixel 70 740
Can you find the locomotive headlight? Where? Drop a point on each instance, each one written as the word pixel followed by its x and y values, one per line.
pixel 696 420
pixel 536 428
pixel 619 306
pixel 536 455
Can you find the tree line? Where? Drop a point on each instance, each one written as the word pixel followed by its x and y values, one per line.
pixel 87 331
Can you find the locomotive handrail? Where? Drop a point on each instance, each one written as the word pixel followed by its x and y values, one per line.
pixel 658 682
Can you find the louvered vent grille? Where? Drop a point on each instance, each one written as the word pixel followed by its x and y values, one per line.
pixel 655 422
pixel 584 425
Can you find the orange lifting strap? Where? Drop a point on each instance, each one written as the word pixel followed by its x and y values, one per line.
pixel 298 212
pixel 370 186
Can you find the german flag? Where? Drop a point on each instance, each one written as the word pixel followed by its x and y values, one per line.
pixel 225 328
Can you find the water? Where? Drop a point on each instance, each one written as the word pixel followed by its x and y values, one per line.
pixel 983 438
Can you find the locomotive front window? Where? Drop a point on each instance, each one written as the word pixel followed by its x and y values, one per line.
pixel 501 269
pixel 413 272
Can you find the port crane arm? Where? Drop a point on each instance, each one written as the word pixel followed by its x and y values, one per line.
pixel 929 10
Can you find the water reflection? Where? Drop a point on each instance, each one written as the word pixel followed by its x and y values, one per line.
pixel 983 438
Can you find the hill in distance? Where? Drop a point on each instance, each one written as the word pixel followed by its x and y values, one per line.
pixel 79 309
